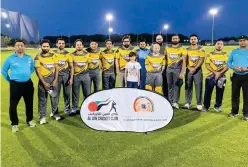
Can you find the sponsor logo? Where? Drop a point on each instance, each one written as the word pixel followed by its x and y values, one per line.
pixel 80 64
pixel 102 110
pixel 61 62
pixel 218 62
pixel 194 58
pixel 110 60
pixel 173 56
pixel 126 57
pixel 49 65
pixel 156 65
pixel 143 104
pixel 95 60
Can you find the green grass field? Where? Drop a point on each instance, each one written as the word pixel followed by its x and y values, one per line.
pixel 192 139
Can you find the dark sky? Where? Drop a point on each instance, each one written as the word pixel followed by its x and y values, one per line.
pixel 138 16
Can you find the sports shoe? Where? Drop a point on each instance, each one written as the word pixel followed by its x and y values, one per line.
pixel 57 117
pixel 199 107
pixel 217 109
pixel 187 106
pixel 43 121
pixel 31 124
pixel 74 111
pixel 175 105
pixel 51 115
pixel 204 109
pixel 232 115
pixel 15 128
pixel 245 118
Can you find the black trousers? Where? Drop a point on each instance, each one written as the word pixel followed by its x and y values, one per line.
pixel 208 93
pixel 18 90
pixel 165 85
pixel 238 82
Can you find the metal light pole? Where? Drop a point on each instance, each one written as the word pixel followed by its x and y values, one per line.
pixel 109 18
pixel 213 12
pixel 166 27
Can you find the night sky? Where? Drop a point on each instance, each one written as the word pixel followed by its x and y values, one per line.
pixel 71 17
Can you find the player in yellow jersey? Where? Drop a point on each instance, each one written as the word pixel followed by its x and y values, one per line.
pixel 176 62
pixel 122 57
pixel 108 66
pixel 81 77
pixel 46 66
pixel 155 64
pixel 216 63
pixel 94 65
pixel 195 59
pixel 66 71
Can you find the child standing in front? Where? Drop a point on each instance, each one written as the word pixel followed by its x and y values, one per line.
pixel 132 71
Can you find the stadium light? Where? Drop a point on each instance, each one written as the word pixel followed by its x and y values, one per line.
pixel 213 12
pixel 109 18
pixel 166 27
pixel 7 25
pixel 4 15
pixel 110 29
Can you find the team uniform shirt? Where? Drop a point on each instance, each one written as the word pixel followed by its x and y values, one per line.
pixel 64 58
pixel 132 71
pixel 194 56
pixel 155 63
pixel 174 56
pixel 80 61
pixel 122 54
pixel 108 60
pixel 94 58
pixel 47 63
pixel 217 61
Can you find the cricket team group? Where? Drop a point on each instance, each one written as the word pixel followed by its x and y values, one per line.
pixel 162 68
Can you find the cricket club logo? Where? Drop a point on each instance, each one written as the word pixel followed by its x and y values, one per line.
pixel 143 104
pixel 106 106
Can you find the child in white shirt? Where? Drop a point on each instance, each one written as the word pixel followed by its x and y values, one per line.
pixel 132 71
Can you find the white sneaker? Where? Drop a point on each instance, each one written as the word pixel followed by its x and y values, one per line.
pixel 187 106
pixel 43 121
pixel 51 115
pixel 15 128
pixel 199 107
pixel 175 105
pixel 57 118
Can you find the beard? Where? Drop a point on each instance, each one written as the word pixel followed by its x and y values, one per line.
pixel 45 51
pixel 126 46
pixel 175 43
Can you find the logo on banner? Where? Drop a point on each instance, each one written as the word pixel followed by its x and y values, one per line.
pixel 102 110
pixel 143 104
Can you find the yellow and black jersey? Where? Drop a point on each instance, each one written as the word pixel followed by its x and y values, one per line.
pixel 81 61
pixel 122 54
pixel 217 61
pixel 194 56
pixel 108 60
pixel 95 58
pixel 47 63
pixel 174 56
pixel 64 58
pixel 155 63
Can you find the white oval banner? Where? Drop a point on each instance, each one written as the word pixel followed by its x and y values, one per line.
pixel 126 109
